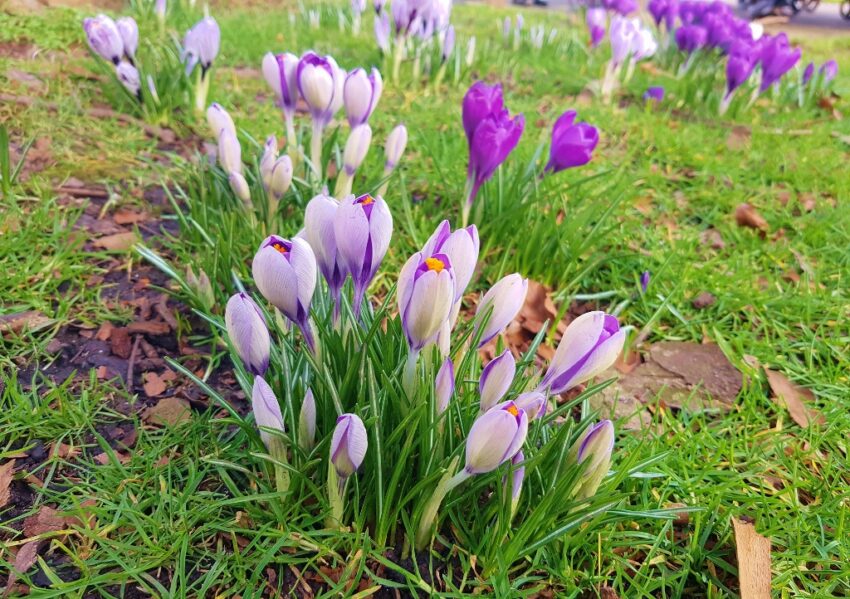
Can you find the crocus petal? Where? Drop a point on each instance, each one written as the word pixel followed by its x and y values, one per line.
pixel 496 379
pixel 503 302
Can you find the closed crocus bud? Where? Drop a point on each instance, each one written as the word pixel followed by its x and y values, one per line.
pixel 507 25
pixel 808 72
pixel 495 437
pixel 159 9
pixel 621 39
pixel 267 162
pixel 316 79
pixel 281 176
pixel 229 152
pixel 246 328
pixel 348 445
pixel 426 289
pixel 363 229
pixel 201 286
pixel 597 19
pixel 361 93
pixel 307 422
pixel 396 143
pixel 572 143
pixel 128 75
pixel 500 305
pixel 655 93
pixel 219 119
pixel 266 409
pixel 828 70
pixel 448 43
pixel 496 379
pixel 382 32
pixel 644 281
pixel 589 346
pixel 517 476
pixel 239 186
pixel 201 44
pixel 444 385
pixel 738 69
pixel 285 273
pixel 319 232
pixel 532 403
pixel 594 453
pixel 492 141
pixel 279 72
pixel 104 38
pixel 356 148
pixel 129 31
pixel 461 246
pixel 480 102
pixel 691 38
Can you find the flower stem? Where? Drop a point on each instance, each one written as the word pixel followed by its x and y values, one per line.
pixel 429 515
pixel 343 184
pixel 408 381
pixel 316 149
pixel 336 499
pixel 281 475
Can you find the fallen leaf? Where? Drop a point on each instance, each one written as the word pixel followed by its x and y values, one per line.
pixel 149 327
pixel 125 216
pixel 31 320
pixel 117 242
pixel 747 216
pixel 793 397
pixel 24 560
pixel 105 331
pixel 753 551
pixel 45 520
pixel 7 470
pixel 120 342
pixel 703 300
pixel 154 386
pixel 738 138
pixel 168 411
pixel 712 238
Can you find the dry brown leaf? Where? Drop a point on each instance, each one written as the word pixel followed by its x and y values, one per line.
pixel 747 216
pixel 712 238
pixel 46 520
pixel 154 385
pixel 24 560
pixel 31 320
pixel 120 342
pixel 753 551
pixel 703 300
pixel 793 397
pixel 738 138
pixel 118 242
pixel 125 216
pixel 7 471
pixel 168 411
pixel 149 327
pixel 105 331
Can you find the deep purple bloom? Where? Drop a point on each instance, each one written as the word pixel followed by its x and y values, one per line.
pixel 572 143
pixel 738 69
pixel 828 70
pixel 808 72
pixel 596 19
pixel 654 93
pixel 494 139
pixel 644 281
pixel 777 58
pixel 480 102
pixel 664 11
pixel 690 38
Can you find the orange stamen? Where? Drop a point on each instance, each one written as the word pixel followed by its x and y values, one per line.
pixel 368 200
pixel 512 410
pixel 279 247
pixel 435 264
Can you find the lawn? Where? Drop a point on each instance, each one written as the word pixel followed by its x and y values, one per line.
pixel 130 464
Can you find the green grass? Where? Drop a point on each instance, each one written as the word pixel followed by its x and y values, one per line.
pixel 190 513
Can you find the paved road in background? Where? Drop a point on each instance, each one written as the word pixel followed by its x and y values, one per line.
pixel 825 18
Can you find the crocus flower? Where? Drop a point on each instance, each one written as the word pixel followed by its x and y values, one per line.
pixel 507 25
pixel 444 385
pixel 589 346
pixel 655 93
pixel 495 437
pixel 691 38
pixel 358 6
pixel 363 229
pixel 285 273
pixel 496 379
pixel 129 30
pixel 448 45
pixel 279 72
pixel 396 143
pixel 307 422
pixel 738 69
pixel 201 44
pixel 532 403
pixel 828 71
pixel 361 93
pixel 229 151
pixel 104 38
pixel 267 161
pixel 644 281
pixel 281 177
pixel 128 75
pixel 480 102
pixel 572 143
pixel 319 232
pixel 266 410
pixel 461 246
pixel 808 72
pixel 218 119
pixel 500 305
pixel 348 445
pixel 426 289
pixel 319 80
pixel 517 477
pixel 594 453
pixel 239 185
pixel 379 6
pixel 777 58
pixel 382 32
pixel 356 148
pixel 597 20
pixel 246 328
pixel 621 39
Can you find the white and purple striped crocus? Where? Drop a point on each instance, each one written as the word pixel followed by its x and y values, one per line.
pixel 572 143
pixel 129 30
pixel 361 92
pixel 495 437
pixel 129 77
pixel 444 385
pixel 499 306
pixel 356 148
pixel 307 422
pixel 589 346
pixel 104 38
pixel 462 247
pixel 285 273
pixel 266 410
pixel 594 452
pixel 319 218
pixel 218 119
pixel 363 227
pixel 382 32
pixel 348 445
pixel 426 290
pixel 597 20
pixel 517 478
pixel 496 379
pixel 201 45
pixel 279 72
pixel 394 148
pixel 532 403
pixel 246 328
pixel 320 82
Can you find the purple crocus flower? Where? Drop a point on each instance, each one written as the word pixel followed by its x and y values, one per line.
pixel 644 281
pixel 285 273
pixel 448 45
pixel 319 81
pixel 319 218
pixel 738 69
pixel 426 290
pixel 266 409
pixel 104 38
pixel 777 58
pixel 691 38
pixel 655 93
pixel 517 477
pixel 593 452
pixel 444 385
pixel 828 71
pixel 128 75
pixel 495 438
pixel 496 379
pixel 481 101
pixel 363 227
pixel 382 32
pixel 597 19
pixel 572 143
pixel 279 73
pixel 129 30
pixel 808 72
pixel 589 346
pixel 361 92
pixel 201 44
pixel 461 246
pixel 348 445
pixel 246 328
pixel 664 11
